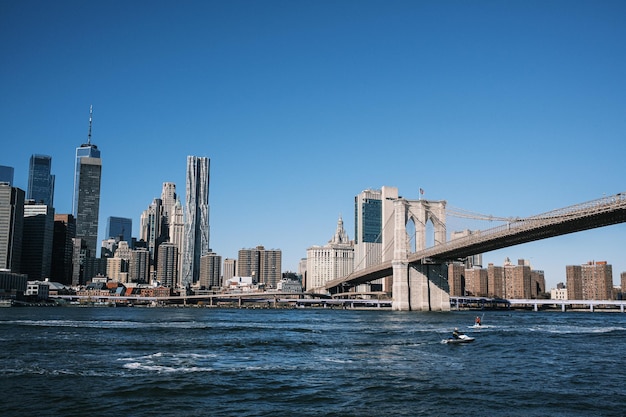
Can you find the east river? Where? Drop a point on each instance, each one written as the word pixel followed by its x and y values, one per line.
pixel 73 361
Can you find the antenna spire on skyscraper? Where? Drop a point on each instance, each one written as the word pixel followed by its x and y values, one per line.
pixel 90 118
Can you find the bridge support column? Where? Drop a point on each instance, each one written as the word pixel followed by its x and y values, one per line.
pixel 420 287
pixel 400 289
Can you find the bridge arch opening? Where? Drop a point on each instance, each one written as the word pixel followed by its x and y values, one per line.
pixel 411 234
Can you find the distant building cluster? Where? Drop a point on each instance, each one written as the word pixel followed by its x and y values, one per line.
pixel 506 281
pixel 172 250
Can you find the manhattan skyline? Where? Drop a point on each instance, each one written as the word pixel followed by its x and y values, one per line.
pixel 510 109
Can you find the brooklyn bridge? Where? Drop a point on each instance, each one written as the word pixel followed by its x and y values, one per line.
pixel 420 277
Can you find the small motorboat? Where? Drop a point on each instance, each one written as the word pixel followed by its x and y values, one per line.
pixel 460 340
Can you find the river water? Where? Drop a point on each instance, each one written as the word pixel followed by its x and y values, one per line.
pixel 73 361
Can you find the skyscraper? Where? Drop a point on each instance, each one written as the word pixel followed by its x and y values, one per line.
pixel 11 227
pixel 6 174
pixel 37 240
pixel 196 218
pixel 177 236
pixel 62 248
pixel 167 266
pixel 40 181
pixel 87 177
pixel 151 229
pixel 119 228
pixel 373 228
pixel 168 198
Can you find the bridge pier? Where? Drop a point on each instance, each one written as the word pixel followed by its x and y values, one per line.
pixel 420 287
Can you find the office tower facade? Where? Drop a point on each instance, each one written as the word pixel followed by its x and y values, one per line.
pixel 117 269
pixel 168 199
pixel 62 248
pixel 86 201
pixel 151 230
pixel 108 248
pixel 139 266
pixel 167 266
pixel 11 227
pixel 37 240
pixel 331 261
pixel 373 226
pixel 196 239
pixel 119 228
pixel 210 271
pixel 6 174
pixel 591 281
pixel 263 265
pixel 177 235
pixel 78 259
pixel 94 268
pixel 40 180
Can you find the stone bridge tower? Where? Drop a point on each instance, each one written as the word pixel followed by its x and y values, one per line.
pixel 422 287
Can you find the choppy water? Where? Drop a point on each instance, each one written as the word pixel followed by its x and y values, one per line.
pixel 308 362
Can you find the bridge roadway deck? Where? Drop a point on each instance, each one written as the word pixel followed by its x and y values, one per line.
pixel 296 299
pixel 591 305
pixel 602 212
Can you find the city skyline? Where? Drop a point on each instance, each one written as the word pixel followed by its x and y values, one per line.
pixel 509 109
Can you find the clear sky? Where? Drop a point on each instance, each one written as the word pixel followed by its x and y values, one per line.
pixel 509 108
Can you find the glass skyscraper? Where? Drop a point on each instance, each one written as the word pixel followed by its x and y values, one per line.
pixel 6 174
pixel 196 235
pixel 40 181
pixel 119 227
pixel 86 205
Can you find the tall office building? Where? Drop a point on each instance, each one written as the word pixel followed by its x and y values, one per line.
pixel 152 227
pixel 37 240
pixel 168 199
pixel 331 261
pixel 119 228
pixel 196 218
pixel 263 265
pixel 6 174
pixel 40 181
pixel 374 230
pixel 11 227
pixel 139 266
pixel 373 227
pixel 86 201
pixel 62 248
pixel 177 236
pixel 167 266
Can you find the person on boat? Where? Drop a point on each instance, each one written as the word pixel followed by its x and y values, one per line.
pixel 477 321
pixel 456 334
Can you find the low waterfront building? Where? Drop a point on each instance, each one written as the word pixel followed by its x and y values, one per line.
pixel 38 289
pixel 289 285
pixel 558 294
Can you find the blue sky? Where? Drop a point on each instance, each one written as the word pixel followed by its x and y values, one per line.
pixel 509 108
